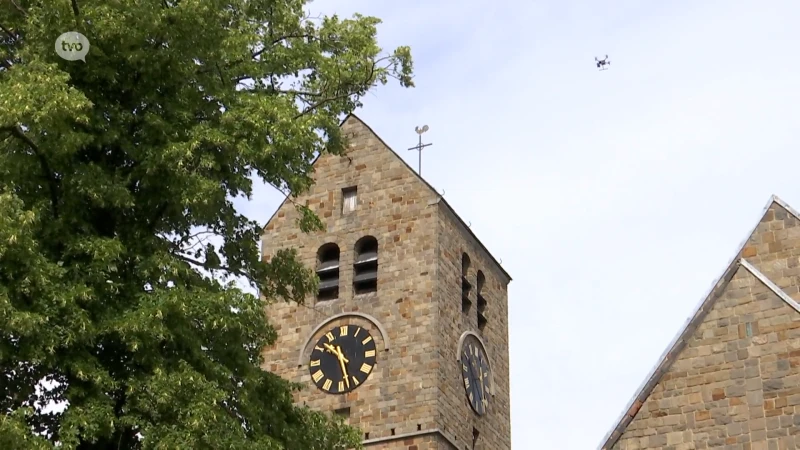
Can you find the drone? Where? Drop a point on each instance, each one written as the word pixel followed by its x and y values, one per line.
pixel 602 63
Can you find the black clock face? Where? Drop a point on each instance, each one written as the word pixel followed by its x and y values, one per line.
pixel 342 359
pixel 475 373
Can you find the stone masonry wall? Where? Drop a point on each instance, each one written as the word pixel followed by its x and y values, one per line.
pixel 736 385
pixel 428 442
pixel 393 206
pixel 455 414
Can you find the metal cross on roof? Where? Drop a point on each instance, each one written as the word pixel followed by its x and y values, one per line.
pixel 420 146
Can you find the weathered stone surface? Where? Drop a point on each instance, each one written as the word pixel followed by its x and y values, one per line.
pixel 416 384
pixel 738 386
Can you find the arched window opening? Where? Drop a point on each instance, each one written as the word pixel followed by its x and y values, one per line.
pixel 466 286
pixel 365 266
pixel 328 272
pixel 481 301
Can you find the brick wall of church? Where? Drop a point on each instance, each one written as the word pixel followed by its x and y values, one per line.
pixel 393 207
pixel 494 426
pixel 736 385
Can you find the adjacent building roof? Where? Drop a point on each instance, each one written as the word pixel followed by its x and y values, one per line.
pixel 678 343
pixel 440 200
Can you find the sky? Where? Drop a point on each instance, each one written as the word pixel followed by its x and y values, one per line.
pixel 615 198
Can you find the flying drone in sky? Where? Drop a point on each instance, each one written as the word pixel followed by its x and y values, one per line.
pixel 602 64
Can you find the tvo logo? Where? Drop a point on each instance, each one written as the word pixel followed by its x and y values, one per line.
pixel 72 46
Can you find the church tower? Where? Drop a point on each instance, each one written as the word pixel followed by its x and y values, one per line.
pixel 408 334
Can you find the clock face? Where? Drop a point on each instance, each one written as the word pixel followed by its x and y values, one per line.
pixel 475 373
pixel 342 359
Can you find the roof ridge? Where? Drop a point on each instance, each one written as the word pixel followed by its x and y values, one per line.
pixel 705 304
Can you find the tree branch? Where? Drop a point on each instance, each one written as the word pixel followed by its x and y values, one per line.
pixel 19 8
pixel 337 97
pixel 260 52
pixel 279 39
pixel 238 273
pixel 16 131
pixel 75 7
pixel 200 241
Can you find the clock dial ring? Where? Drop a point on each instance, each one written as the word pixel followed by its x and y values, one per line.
pixel 475 375
pixel 342 359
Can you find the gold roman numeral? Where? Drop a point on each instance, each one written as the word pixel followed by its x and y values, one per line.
pixel 355 381
pixel 366 368
pixel 358 330
pixel 341 386
pixel 314 363
pixel 329 335
pixel 369 353
pixel 317 347
pixel 317 376
pixel 366 339
pixel 471 396
pixel 327 385
pixel 464 367
pixel 466 383
pixel 343 330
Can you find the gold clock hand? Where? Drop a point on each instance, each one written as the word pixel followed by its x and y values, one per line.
pixel 342 361
pixel 330 348
pixel 483 387
pixel 340 354
pixel 337 351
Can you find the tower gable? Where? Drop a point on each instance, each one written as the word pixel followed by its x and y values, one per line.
pixel 771 253
pixel 736 377
pixel 368 163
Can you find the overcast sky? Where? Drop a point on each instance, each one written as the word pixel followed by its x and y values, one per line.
pixel 614 198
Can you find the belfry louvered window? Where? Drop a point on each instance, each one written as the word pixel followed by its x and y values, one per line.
pixel 466 286
pixel 365 266
pixel 481 301
pixel 328 272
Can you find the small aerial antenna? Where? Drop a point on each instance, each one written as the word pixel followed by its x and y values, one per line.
pixel 420 146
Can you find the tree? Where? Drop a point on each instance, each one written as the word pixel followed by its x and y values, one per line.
pixel 109 170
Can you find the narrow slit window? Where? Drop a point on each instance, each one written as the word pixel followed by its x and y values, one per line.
pixel 349 199
pixel 365 266
pixel 343 412
pixel 328 272
pixel 481 301
pixel 466 286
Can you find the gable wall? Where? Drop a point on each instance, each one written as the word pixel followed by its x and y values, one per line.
pixel 727 389
pixel 393 206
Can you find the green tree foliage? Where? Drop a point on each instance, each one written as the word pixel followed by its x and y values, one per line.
pixel 108 170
